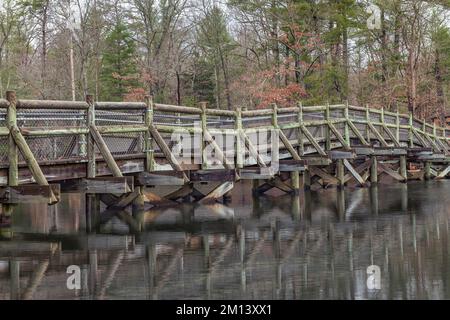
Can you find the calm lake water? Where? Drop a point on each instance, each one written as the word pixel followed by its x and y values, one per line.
pixel 314 246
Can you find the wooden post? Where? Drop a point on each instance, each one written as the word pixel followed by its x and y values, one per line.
pixel 403 168
pixel 346 127
pixel 367 123
pixel 374 170
pixel 340 172
pixel 275 115
pixel 14 271
pixel 13 154
pixel 295 182
pixel 203 106
pixel 397 122
pixel 239 142
pixel 411 133
pixel 148 144
pixel 435 133
pixel 91 167
pixel 427 173
pixel 327 129
pixel 301 146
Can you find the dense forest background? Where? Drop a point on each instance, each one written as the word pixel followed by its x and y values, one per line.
pixel 230 53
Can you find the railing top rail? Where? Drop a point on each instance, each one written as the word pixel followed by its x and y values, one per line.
pixel 51 104
pixel 120 105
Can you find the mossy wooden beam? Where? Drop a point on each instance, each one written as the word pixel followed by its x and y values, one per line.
pixel 391 135
pixel 252 150
pixel 91 165
pixel 104 150
pixel 240 140
pixel 166 151
pixel 148 142
pixel 357 133
pixel 377 134
pixel 217 192
pixel 208 138
pixel 288 145
pixel 419 137
pixel 313 141
pixel 30 160
pixel 338 135
pixel 354 172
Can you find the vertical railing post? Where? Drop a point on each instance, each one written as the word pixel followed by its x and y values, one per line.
pixel 240 150
pixel 327 129
pixel 434 132
pixel 203 106
pixel 148 141
pixel 13 153
pixel 91 169
pixel 301 146
pixel 367 123
pixel 275 116
pixel 397 123
pixel 411 134
pixel 346 128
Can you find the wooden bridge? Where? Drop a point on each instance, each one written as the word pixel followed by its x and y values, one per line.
pixel 115 149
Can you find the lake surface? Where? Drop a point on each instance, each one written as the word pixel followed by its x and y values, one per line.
pixel 314 246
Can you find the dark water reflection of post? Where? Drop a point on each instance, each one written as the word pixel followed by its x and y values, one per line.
pixel 373 191
pixel 404 196
pixel 340 204
pixel 308 205
pixel 151 258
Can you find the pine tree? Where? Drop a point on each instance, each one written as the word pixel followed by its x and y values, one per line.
pixel 119 71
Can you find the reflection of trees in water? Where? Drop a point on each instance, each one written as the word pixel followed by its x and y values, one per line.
pixel 314 246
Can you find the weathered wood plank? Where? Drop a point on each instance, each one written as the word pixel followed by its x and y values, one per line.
pixel 357 133
pixel 291 165
pixel 255 173
pixel 99 185
pixel 355 173
pixel 312 140
pixel 166 150
pixel 339 154
pixel 338 136
pixel 365 165
pixel 389 151
pixel 377 134
pixel 443 173
pixel 213 175
pixel 29 193
pixel 394 174
pixel 218 192
pixel 162 178
pixel 324 175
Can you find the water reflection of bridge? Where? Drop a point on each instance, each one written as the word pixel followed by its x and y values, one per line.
pixel 317 245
